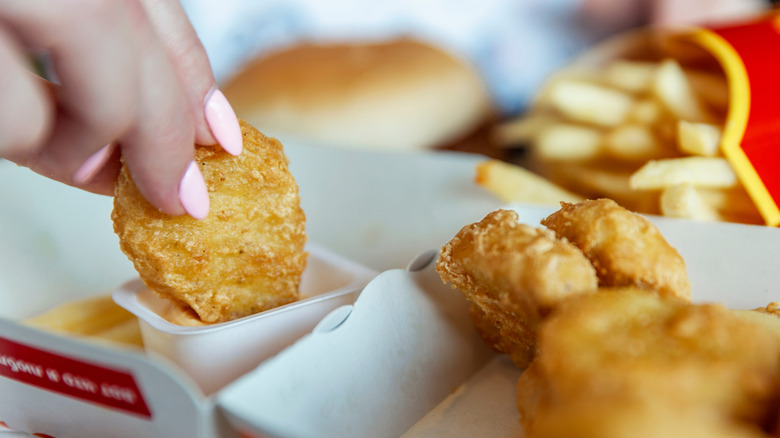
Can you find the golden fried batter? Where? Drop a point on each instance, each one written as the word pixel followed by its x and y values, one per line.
pixel 626 362
pixel 246 256
pixel 488 329
pixel 515 273
pixel 625 248
pixel 772 308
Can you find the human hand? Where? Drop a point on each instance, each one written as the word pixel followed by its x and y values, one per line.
pixel 133 79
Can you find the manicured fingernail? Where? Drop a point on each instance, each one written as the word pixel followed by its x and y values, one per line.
pixel 93 164
pixel 193 195
pixel 223 123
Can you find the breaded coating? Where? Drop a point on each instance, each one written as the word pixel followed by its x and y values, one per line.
pixel 626 362
pixel 245 257
pixel 490 333
pixel 772 308
pixel 625 248
pixel 515 273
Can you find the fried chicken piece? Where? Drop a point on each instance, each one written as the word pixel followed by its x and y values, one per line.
pixel 489 331
pixel 515 274
pixel 626 362
pixel 246 256
pixel 772 308
pixel 625 248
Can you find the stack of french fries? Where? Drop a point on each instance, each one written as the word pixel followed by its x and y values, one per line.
pixel 644 133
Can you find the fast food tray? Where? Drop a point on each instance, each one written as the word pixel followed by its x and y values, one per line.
pixel 387 211
pixel 356 388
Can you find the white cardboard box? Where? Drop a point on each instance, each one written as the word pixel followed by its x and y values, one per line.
pixel 215 355
pixel 395 363
pixel 47 232
pixel 406 362
pixel 66 387
pixel 375 371
pixel 56 245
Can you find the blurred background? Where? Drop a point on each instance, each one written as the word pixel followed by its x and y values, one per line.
pixel 514 44
pixel 334 80
pixel 399 75
pixel 335 71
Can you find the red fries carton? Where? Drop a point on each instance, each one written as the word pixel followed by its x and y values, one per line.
pixel 749 54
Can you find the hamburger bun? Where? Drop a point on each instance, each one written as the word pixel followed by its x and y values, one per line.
pixel 392 95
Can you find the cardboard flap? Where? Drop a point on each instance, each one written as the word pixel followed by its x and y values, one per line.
pixel 484 406
pixel 63 380
pixel 405 346
pixel 408 343
pixel 731 264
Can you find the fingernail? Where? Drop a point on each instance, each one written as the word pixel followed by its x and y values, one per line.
pixel 193 195
pixel 93 164
pixel 223 123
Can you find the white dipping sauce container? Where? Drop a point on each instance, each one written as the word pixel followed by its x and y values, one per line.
pixel 214 355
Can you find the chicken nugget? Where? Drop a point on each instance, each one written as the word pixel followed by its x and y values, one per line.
pixel 515 273
pixel 625 248
pixel 245 257
pixel 772 308
pixel 626 362
pixel 488 329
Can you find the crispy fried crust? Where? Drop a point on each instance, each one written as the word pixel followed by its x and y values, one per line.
pixel 245 257
pixel 491 333
pixel 772 308
pixel 625 248
pixel 627 355
pixel 515 273
pixel 626 362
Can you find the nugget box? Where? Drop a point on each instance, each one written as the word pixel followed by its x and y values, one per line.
pixel 403 361
pixel 57 246
pixel 71 387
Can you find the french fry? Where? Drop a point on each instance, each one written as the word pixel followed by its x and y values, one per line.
pixel 734 201
pixel 512 183
pixel 712 88
pixel 698 171
pixel 597 183
pixel 590 103
pixel 543 101
pixel 632 76
pixel 646 111
pixel 523 130
pixel 732 205
pixel 684 201
pixel 568 142
pixel 632 142
pixel 672 88
pixel 643 132
pixel 610 184
pixel 96 317
pixel 128 332
pixel 666 132
pixel 698 138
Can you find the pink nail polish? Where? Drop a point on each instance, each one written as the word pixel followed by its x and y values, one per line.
pixel 93 164
pixel 193 194
pixel 223 123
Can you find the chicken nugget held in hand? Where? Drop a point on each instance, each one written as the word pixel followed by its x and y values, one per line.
pixel 245 257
